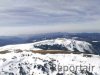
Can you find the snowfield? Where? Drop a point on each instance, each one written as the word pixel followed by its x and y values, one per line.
pixel 59 43
pixel 22 59
pixel 27 63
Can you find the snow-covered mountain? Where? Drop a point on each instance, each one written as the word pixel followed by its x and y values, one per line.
pixel 26 62
pixel 53 44
pixel 65 44
pixel 60 44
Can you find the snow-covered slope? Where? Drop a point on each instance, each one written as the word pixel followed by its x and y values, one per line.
pixel 67 44
pixel 27 63
pixel 28 46
pixel 61 43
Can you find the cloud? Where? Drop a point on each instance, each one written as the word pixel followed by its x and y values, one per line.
pixel 52 11
pixel 49 13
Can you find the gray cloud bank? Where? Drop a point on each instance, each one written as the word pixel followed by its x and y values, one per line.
pixel 38 16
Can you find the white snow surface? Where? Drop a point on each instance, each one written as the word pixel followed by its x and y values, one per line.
pixel 69 44
pixel 27 63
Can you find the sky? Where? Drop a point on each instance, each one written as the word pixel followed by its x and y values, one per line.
pixel 44 16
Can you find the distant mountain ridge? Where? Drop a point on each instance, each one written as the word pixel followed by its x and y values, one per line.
pixel 65 44
pixel 88 37
pixel 9 40
pixel 53 44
